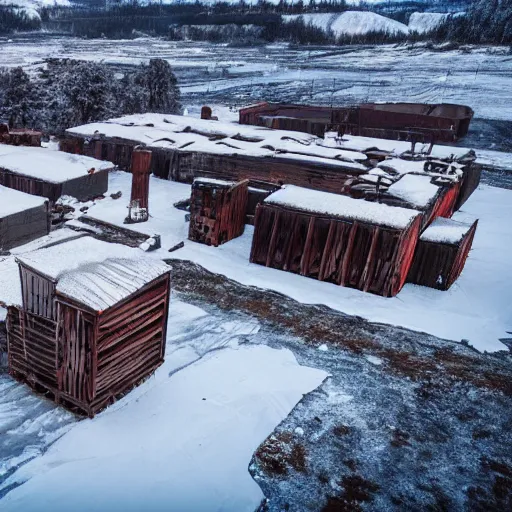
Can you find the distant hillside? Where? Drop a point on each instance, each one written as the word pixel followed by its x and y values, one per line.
pixel 352 23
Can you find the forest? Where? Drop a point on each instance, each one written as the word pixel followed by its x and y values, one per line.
pixel 66 93
pixel 484 22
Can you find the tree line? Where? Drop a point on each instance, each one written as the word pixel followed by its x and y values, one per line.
pixel 66 93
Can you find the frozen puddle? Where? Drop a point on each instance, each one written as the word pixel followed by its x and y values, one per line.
pixel 181 441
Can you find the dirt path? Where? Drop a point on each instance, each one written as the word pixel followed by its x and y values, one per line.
pixel 405 422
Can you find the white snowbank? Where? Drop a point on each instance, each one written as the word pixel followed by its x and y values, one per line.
pixel 475 308
pixel 342 206
pixel 352 23
pixel 178 442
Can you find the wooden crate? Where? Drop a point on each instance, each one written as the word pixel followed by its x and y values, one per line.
pixel 441 253
pixel 81 350
pixel 217 210
pixel 338 239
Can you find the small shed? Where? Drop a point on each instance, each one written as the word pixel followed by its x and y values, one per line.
pixel 441 253
pixel 350 242
pixel 52 174
pixel 90 327
pixel 217 210
pixel 23 218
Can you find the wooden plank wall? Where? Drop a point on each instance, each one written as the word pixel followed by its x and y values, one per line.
pixel 185 166
pixel 32 348
pixel 30 185
pixel 85 359
pixel 217 214
pixel 349 253
pixel 130 342
pixel 38 293
pixel 439 265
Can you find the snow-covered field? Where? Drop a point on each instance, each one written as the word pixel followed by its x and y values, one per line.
pixel 181 441
pixel 474 309
pixel 479 77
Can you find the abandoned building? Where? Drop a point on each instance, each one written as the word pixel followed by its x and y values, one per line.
pixel 185 148
pixel 217 210
pixel 350 242
pixel 399 121
pixel 52 174
pixel 23 218
pixel 90 327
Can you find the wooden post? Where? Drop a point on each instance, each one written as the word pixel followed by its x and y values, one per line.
pixel 139 200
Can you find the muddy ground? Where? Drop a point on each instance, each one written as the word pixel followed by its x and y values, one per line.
pixel 406 421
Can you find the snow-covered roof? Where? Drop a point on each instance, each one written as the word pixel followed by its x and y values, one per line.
pixel 95 273
pixel 45 164
pixel 445 231
pixel 416 190
pixel 191 134
pixel 342 206
pixel 13 201
pixel 213 181
pixel 395 147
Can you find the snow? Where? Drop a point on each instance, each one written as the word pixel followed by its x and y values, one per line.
pixel 446 231
pixel 352 23
pixel 12 201
pixel 357 143
pixel 475 308
pixel 425 22
pixel 181 441
pixel 191 134
pixel 99 274
pixel 50 166
pixel 414 189
pixel 213 181
pixel 342 206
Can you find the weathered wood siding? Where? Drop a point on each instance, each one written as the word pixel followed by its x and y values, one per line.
pixel 438 264
pixel 184 166
pixel 349 253
pixel 23 227
pixel 217 213
pixel 130 341
pixel 38 293
pixel 83 358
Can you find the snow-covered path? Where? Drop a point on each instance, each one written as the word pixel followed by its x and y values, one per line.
pixel 182 440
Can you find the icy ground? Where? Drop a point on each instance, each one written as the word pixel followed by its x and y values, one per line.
pixel 182 440
pixel 220 74
pixel 476 308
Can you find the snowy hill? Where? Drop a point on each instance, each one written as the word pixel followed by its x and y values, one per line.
pixel 353 23
pixel 31 8
pixel 425 22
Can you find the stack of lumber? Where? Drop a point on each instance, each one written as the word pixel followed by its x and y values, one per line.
pixel 91 327
pixel 217 210
pixel 441 253
pixel 354 243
